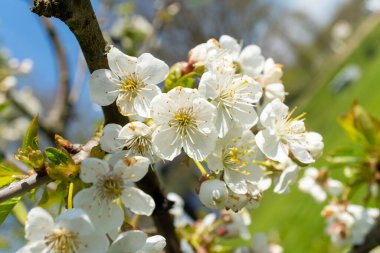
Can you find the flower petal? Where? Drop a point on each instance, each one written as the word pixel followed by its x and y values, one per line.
pixel 166 143
pixel 251 60
pixel 154 244
pixel 34 247
pixel 92 169
pixel 102 88
pixel 271 146
pixel 120 63
pixel 130 241
pixel 138 201
pixel 104 214
pixel 144 98
pixel 109 141
pixel 125 105
pixel 132 169
pixel 38 224
pixel 93 243
pixel 288 176
pixel 198 145
pixel 75 220
pixel 151 69
pixel 300 153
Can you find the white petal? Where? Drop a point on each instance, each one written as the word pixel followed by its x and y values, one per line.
pixel 39 223
pixel 165 142
pixel 93 243
pixel 208 85
pixel 213 193
pixel 154 244
pixel 144 98
pixel 75 220
pixel 34 247
pixel 132 129
pixel 120 63
pixel 230 45
pixel 198 145
pixel 151 69
pixel 183 97
pixel 251 60
pixel 237 181
pixel 105 215
pixel 318 193
pixel 92 169
pixel 334 187
pixel 223 122
pixel 109 141
pixel 272 112
pixel 271 146
pixel 138 201
pixel 287 177
pixel 132 169
pixel 125 105
pixel 300 153
pixel 245 115
pixel 102 88
pixel 275 90
pixel 162 109
pixel 130 241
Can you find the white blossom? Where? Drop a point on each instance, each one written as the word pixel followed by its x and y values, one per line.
pixel 282 134
pixel 316 183
pixel 180 216
pixel 235 156
pixel 270 80
pixel 131 81
pixel 135 137
pixel 213 193
pixel 234 97
pixel 185 120
pixel 72 232
pixel 347 223
pixel 136 241
pixel 110 184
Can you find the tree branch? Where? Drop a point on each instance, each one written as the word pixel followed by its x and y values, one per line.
pixel 25 185
pixel 79 16
pixel 371 241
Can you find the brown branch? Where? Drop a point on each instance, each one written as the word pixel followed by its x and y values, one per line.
pixel 79 16
pixel 371 241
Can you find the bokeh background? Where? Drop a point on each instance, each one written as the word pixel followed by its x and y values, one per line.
pixel 329 49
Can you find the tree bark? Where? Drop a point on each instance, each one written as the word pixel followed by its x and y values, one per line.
pixel 371 241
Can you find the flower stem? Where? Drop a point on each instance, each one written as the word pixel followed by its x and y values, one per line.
pixel 200 167
pixel 70 196
pixel 135 220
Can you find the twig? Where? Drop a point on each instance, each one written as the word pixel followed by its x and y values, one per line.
pixel 25 185
pixel 371 241
pixel 79 16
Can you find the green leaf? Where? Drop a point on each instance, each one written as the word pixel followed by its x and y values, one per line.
pixel 57 156
pixel 31 135
pixel 6 207
pixel 4 105
pixel 61 165
pixel 20 212
pixel 176 78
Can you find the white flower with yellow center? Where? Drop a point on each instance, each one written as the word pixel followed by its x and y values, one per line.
pixel 282 134
pixel 110 183
pixel 136 241
pixel 233 95
pixel 72 232
pixel 235 156
pixel 135 137
pixel 185 120
pixel 131 81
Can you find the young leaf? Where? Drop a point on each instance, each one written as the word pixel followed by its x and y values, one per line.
pixel 6 207
pixel 31 135
pixel 61 165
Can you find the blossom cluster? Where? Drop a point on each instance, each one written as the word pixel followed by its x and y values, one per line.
pixel 232 118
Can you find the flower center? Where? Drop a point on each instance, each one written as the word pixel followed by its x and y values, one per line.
pixel 110 187
pixel 184 120
pixel 131 84
pixel 139 144
pixel 233 159
pixel 63 242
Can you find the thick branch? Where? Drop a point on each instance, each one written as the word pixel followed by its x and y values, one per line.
pixel 371 241
pixel 79 16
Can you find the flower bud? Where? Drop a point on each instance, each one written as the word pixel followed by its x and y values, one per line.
pixel 213 194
